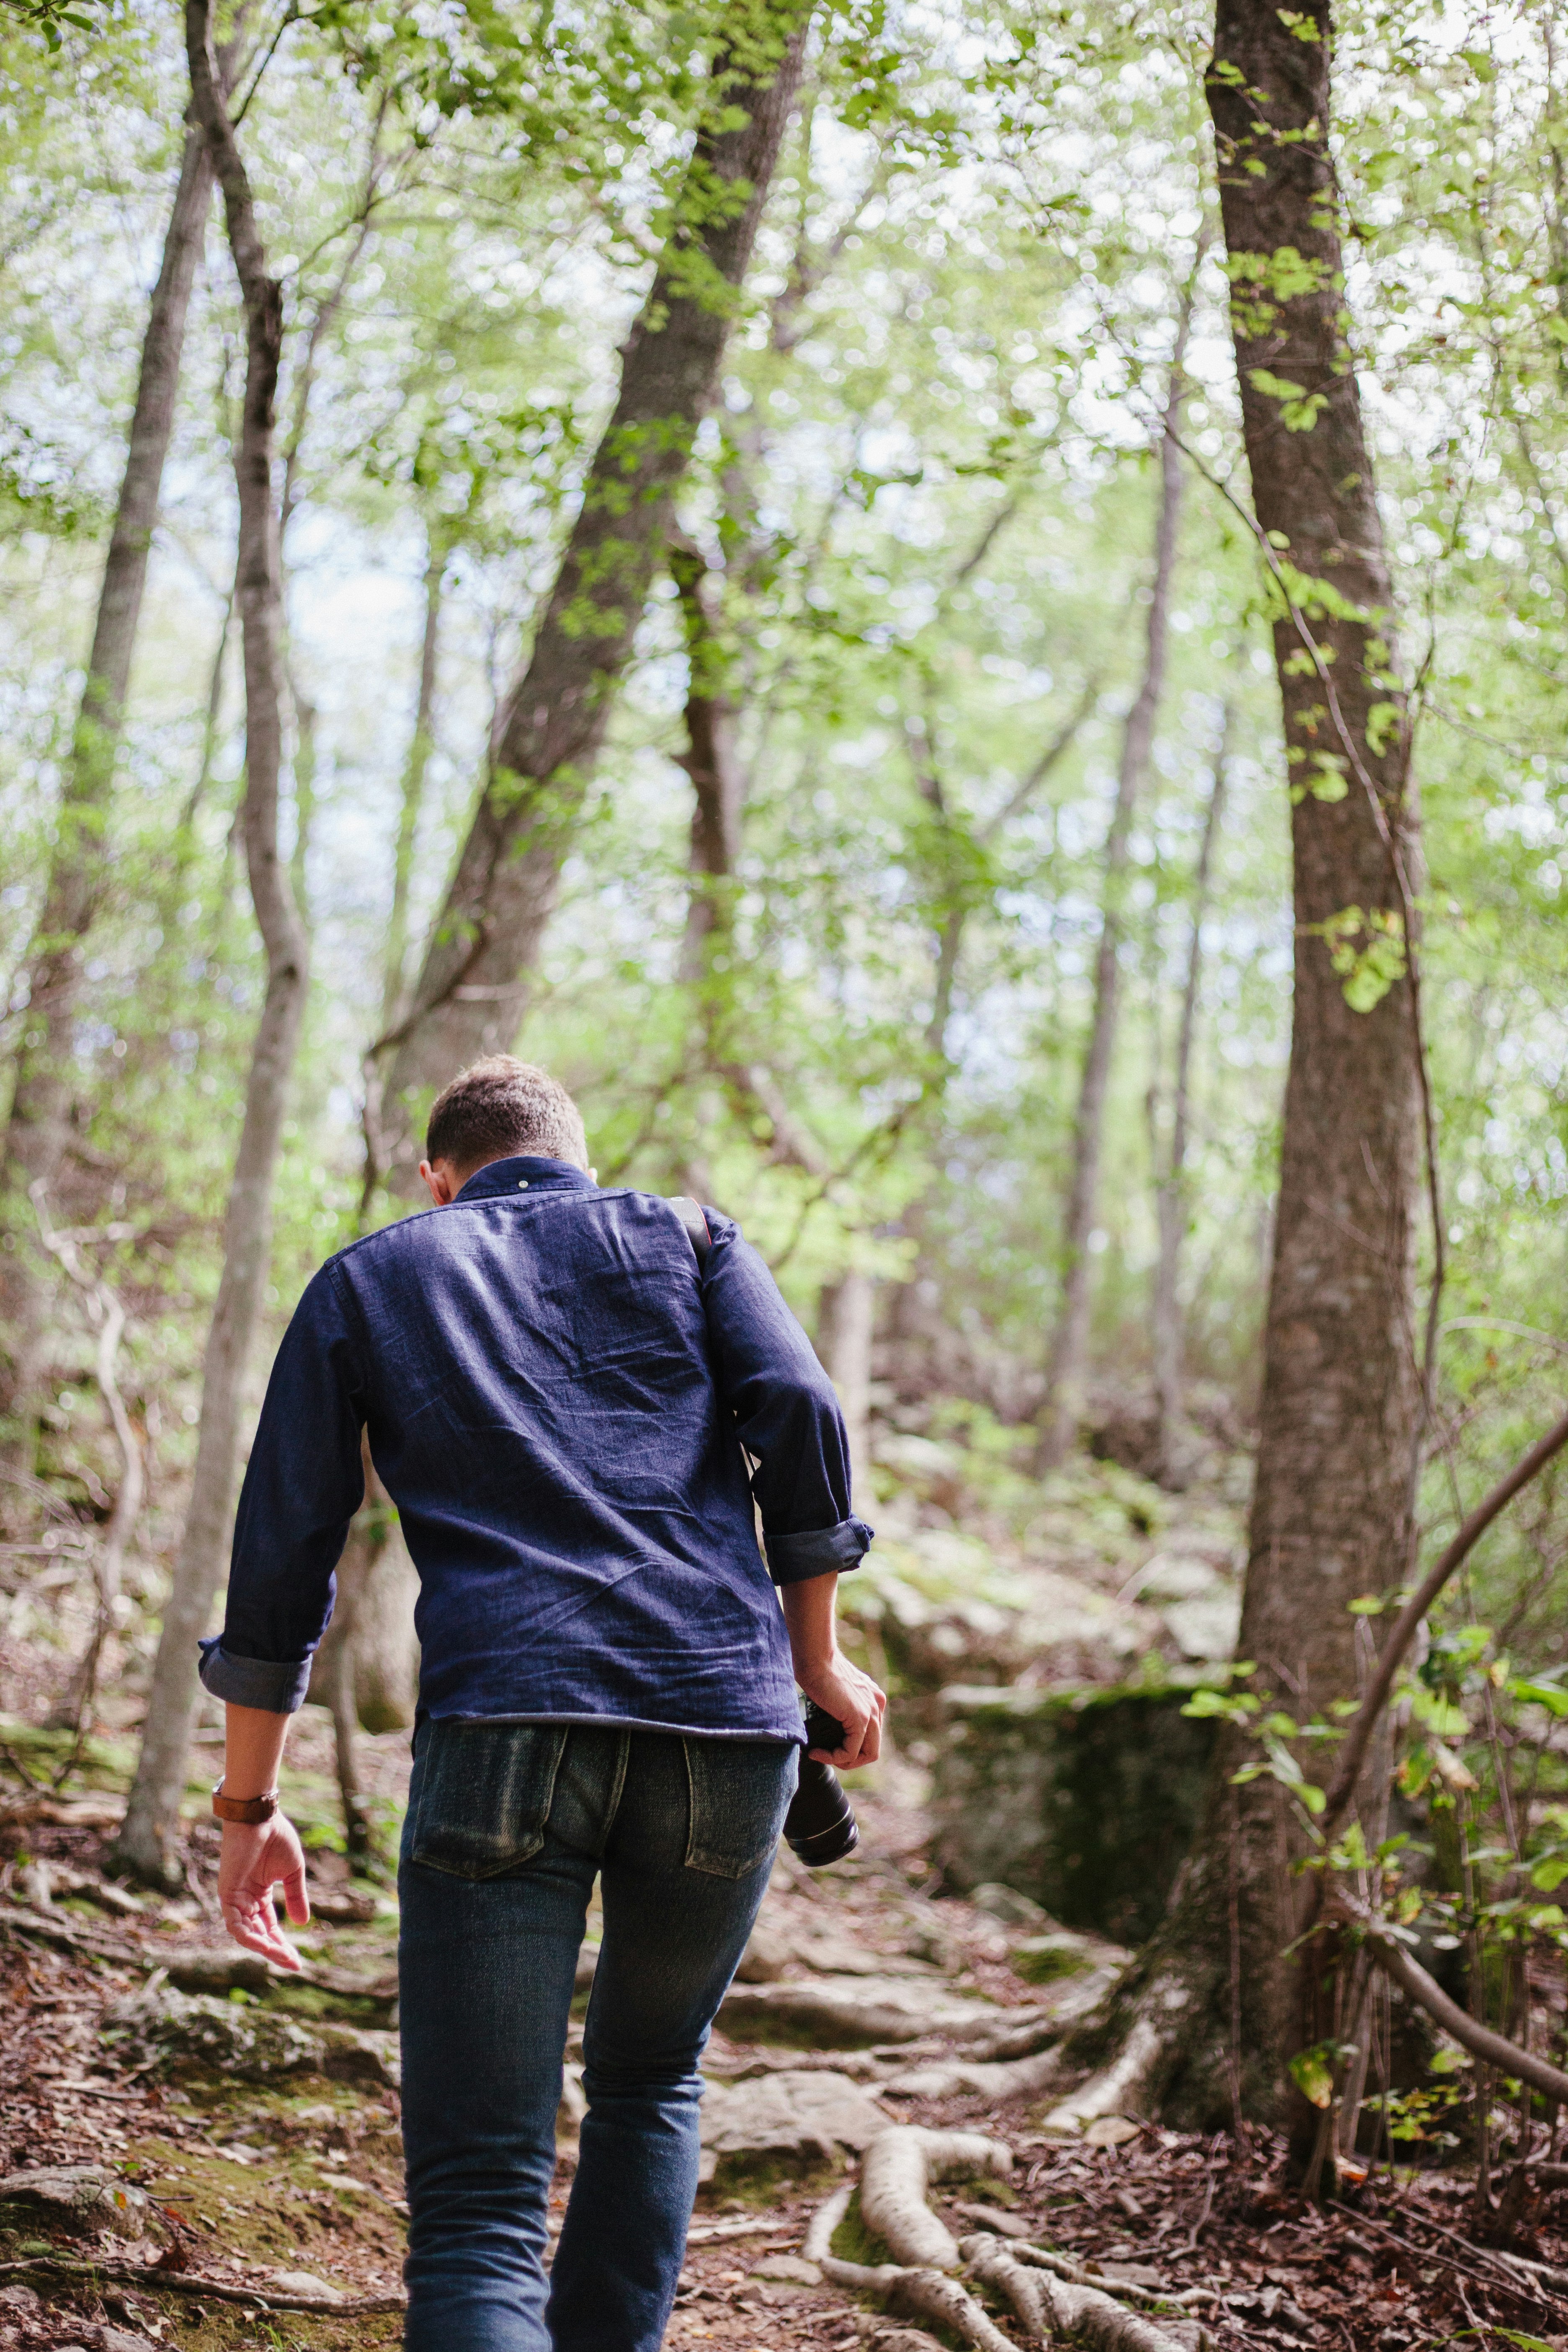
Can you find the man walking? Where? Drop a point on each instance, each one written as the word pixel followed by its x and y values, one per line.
pixel 556 1397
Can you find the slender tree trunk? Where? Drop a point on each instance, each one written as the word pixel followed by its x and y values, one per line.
pixel 415 771
pixel 1171 1199
pixel 38 1130
pixel 718 783
pixel 1341 1393
pixel 394 975
pixel 847 1324
pixel 1069 1340
pixel 146 1837
pixel 484 940
pixel 306 751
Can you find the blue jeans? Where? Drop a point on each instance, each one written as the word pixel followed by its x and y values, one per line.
pixel 507 1826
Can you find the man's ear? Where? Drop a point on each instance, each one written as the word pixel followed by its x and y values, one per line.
pixel 438 1184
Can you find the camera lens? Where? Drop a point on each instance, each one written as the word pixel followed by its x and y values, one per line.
pixel 820 1826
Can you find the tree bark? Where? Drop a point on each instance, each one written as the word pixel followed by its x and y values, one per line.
pixel 484 940
pixel 1341 1409
pixel 38 1130
pixel 146 1837
pixel 1171 1199
pixel 1065 1363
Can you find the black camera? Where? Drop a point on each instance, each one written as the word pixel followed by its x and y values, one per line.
pixel 820 1826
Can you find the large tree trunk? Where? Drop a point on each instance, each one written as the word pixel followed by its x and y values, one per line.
pixel 147 1833
pixel 1065 1363
pixel 38 1127
pixel 1223 1994
pixel 1171 1194
pixel 484 940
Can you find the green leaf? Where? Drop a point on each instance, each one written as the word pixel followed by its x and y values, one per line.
pixel 1547 1695
pixel 1312 2072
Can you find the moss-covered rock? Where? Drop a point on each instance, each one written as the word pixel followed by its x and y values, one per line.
pixel 1085 1799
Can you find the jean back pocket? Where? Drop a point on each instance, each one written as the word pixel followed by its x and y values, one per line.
pixel 741 1791
pixel 484 1792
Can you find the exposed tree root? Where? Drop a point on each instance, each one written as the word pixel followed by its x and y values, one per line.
pixel 1048 2304
pixel 899 2166
pixel 1122 2088
pixel 159 2282
pixel 1009 2079
pixel 892 2203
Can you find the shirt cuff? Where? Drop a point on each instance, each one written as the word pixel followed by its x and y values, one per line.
pixel 275 1688
pixel 791 1560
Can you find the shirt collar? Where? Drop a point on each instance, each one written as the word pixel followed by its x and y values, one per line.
pixel 525 1174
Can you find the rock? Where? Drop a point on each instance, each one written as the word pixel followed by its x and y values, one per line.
pixel 19 2299
pixel 828 1951
pixel 573 2104
pixel 1005 1904
pixel 789 2119
pixel 252 2043
pixel 794 2269
pixel 1086 1801
pixel 36 1884
pixel 766 1956
pixel 205 1969
pixel 846 2012
pixel 303 2282
pixel 1111 2131
pixel 121 2339
pixel 85 2198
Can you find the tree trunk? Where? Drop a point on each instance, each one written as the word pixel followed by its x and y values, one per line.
pixel 422 742
pixel 1065 1364
pixel 484 940
pixel 847 1321
pixel 716 783
pixel 394 974
pixel 1171 1199
pixel 147 1833
pixel 1227 1995
pixel 39 1129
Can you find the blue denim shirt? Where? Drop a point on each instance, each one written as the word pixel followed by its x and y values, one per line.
pixel 556 1401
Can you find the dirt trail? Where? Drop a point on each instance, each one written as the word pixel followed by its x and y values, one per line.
pixel 246 2133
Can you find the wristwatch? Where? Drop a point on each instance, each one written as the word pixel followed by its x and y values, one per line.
pixel 252 1809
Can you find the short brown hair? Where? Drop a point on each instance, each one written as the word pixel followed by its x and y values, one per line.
pixel 499 1107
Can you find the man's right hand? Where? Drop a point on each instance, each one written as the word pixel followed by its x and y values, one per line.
pixel 825 1674
pixel 856 1701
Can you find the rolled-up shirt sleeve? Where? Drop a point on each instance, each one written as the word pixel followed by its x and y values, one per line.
pixel 787 1414
pixel 304 1483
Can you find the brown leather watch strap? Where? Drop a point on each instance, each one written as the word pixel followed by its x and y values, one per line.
pixel 253 1810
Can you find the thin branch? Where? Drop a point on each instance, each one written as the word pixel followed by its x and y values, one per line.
pixel 1396 1961
pixel 1358 1738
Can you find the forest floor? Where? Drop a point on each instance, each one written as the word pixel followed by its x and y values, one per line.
pixel 222 2187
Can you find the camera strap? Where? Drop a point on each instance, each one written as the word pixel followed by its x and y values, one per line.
pixel 690 1214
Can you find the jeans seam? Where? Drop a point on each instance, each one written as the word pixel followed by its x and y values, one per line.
pixel 617 1782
